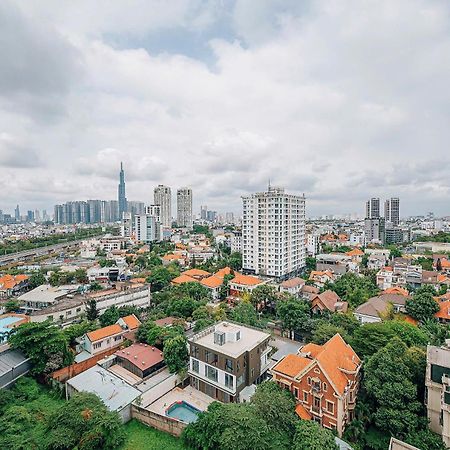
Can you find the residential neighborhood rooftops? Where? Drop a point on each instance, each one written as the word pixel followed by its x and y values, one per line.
pixel 131 321
pixel 141 355
pixel 222 272
pixel 9 281
pixel 166 321
pixel 183 278
pixel 444 311
pixel 212 282
pixel 196 273
pixel 47 293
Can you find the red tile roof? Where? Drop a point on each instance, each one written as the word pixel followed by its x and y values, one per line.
pixel 196 273
pixel 184 279
pixel 212 282
pixel 302 413
pixel 444 311
pixel 131 321
pixel 247 280
pixel 141 355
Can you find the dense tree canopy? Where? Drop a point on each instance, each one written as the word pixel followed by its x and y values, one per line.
pixel 44 343
pixel 422 306
pixel 309 435
pixel 175 353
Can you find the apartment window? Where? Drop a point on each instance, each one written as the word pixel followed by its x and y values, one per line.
pixel 97 345
pixel 211 357
pixel 252 372
pixel 228 381
pixel 330 407
pixel 240 380
pixel 305 396
pixel 324 387
pixel 211 373
pixel 296 393
pixel 229 365
pixel 118 338
pixel 316 402
pixel 309 381
pixel 195 366
pixel 195 352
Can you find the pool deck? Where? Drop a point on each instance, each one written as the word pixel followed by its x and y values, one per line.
pixel 191 396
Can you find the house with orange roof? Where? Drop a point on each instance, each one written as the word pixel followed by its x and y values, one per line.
pixel 320 277
pixel 396 291
pixel 181 279
pixel 213 284
pixel 179 258
pixel 356 254
pixel 12 285
pixel 222 272
pixel 443 315
pixel 243 283
pixel 105 338
pixel 328 301
pixel 324 380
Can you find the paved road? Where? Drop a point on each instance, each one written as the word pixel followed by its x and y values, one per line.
pixel 36 252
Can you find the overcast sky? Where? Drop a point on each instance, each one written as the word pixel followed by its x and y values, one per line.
pixel 341 100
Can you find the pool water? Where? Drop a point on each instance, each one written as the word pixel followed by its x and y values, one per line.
pixel 183 411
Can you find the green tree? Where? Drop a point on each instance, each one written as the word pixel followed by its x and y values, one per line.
pixel 245 313
pixel 110 316
pixel 325 331
pixel 76 330
pixel 263 296
pixel 311 263
pixel 422 306
pixel 176 354
pixel 160 278
pixel 54 278
pixel 11 305
pixel 84 422
pixel 81 276
pixel 294 314
pixel 309 435
pixel 395 251
pixel 425 439
pixel 347 321
pixel 389 382
pixel 91 310
pixel 36 279
pixel 45 344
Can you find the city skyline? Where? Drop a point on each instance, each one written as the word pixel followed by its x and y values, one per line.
pixel 220 98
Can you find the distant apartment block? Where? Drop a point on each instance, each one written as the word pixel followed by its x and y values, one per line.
pixel 227 359
pixel 273 233
pixel 184 208
pixel 437 382
pixel 162 196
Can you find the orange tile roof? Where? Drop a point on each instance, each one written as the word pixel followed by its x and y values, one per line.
pixel 138 280
pixel 396 290
pixel 104 332
pixel 131 321
pixel 247 280
pixel 302 413
pixel 292 365
pixel 171 257
pixel 355 252
pixel 196 273
pixel 313 349
pixel 184 279
pixel 9 281
pixel 320 273
pixel 409 319
pixel 211 282
pixel 444 311
pixel 222 272
pixel 442 278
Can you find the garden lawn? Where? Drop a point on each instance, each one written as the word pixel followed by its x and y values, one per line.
pixel 142 437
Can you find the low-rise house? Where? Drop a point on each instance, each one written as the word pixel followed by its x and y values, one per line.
pixel 12 285
pixel 293 286
pixel 45 296
pixel 115 393
pixel 320 277
pixel 397 291
pixel 376 262
pixel 308 292
pixel 443 315
pixel 356 255
pixel 197 274
pixel 437 397
pixel 213 284
pixel 328 301
pixel 338 263
pixel 140 359
pixel 243 283
pixel 105 338
pixel 324 380
pixel 376 308
pixel 227 358
pixel 103 274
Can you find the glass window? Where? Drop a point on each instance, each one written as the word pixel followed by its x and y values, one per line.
pixel 211 373
pixel 229 381
pixel 229 365
pixel 195 366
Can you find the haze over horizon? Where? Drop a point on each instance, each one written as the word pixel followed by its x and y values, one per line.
pixel 340 100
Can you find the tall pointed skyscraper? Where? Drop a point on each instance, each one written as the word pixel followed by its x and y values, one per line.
pixel 122 198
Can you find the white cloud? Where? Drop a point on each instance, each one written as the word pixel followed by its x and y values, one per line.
pixel 340 100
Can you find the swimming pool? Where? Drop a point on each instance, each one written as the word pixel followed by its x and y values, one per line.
pixel 4 324
pixel 183 412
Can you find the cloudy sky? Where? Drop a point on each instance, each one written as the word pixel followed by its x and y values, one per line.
pixel 341 100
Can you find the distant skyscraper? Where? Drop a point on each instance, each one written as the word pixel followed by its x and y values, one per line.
pixel 17 213
pixel 374 225
pixel 184 208
pixel 373 208
pixel 273 233
pixel 162 196
pixel 392 211
pixel 121 197
pixel 203 212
